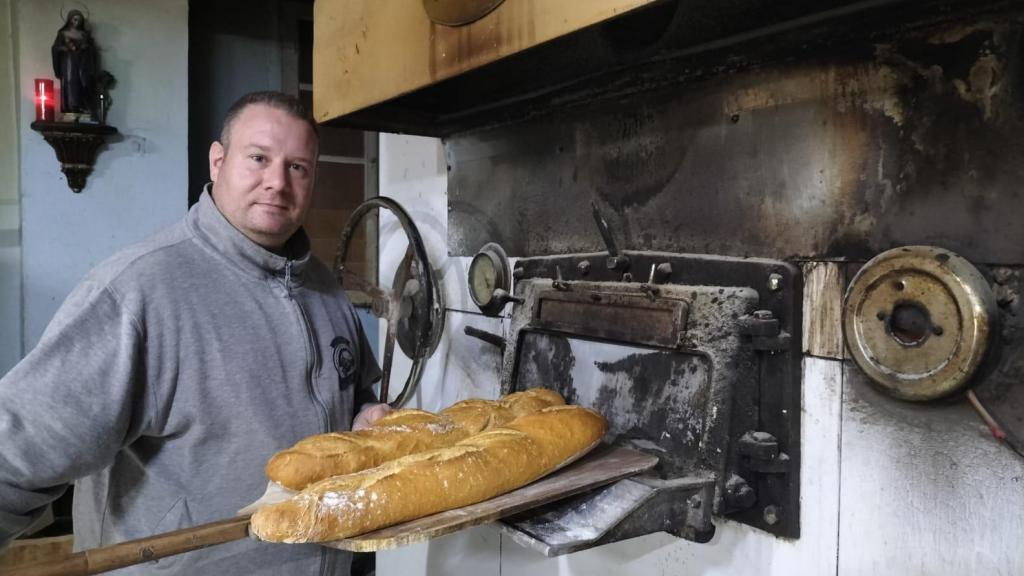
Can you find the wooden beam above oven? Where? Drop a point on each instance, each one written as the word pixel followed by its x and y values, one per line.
pixel 367 51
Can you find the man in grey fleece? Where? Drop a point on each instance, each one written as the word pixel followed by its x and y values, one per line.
pixel 180 365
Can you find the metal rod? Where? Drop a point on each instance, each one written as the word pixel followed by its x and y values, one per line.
pixel 606 233
pixel 993 426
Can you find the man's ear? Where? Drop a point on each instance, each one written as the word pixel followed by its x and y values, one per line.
pixel 216 159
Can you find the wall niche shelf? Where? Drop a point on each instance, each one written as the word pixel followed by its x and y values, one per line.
pixel 76 145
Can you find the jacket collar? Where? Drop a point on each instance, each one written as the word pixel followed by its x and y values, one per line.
pixel 214 231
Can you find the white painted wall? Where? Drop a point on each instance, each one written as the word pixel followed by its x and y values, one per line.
pixel 413 171
pixel 139 183
pixel 10 216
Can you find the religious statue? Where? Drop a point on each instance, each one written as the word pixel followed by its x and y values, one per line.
pixel 74 63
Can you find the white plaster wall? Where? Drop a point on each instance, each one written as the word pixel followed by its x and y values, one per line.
pixel 413 172
pixel 926 489
pixel 10 217
pixel 139 184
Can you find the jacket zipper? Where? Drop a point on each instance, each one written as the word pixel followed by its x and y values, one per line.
pixel 314 355
pixel 311 348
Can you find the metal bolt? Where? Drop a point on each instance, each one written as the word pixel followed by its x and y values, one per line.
pixel 663 272
pixel 518 272
pixel 583 267
pixel 694 502
pixel 1002 275
pixel 771 515
pixel 739 494
pixel 762 315
pixel 617 263
pixel 1004 296
pixel 774 282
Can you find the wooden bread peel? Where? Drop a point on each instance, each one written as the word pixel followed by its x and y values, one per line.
pixel 601 467
pixel 142 550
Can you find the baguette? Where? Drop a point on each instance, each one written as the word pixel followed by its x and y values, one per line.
pixel 400 433
pixel 481 467
pixel 475 415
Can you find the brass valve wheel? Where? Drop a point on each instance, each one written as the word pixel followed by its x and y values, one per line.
pixel 918 321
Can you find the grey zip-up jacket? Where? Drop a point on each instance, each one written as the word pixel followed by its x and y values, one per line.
pixel 167 379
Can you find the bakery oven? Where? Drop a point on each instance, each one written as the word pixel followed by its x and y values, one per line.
pixel 696 363
pixel 777 245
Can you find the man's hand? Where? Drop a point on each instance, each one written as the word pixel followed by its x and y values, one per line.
pixel 369 414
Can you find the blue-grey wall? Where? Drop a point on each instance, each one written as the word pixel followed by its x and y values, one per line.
pixel 10 216
pixel 139 183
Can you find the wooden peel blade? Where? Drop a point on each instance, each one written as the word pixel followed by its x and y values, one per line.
pixel 141 550
pixel 602 466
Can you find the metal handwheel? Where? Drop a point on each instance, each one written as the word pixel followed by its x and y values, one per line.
pixel 412 307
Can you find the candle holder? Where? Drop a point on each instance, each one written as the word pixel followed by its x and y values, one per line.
pixel 45 104
pixel 76 146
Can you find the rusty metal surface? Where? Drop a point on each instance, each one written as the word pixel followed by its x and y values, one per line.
pixel 841 154
pixel 638 318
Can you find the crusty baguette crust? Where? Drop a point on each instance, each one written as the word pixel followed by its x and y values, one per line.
pixel 399 434
pixel 481 467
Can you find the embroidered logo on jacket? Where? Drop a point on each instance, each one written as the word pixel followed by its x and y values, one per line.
pixel 344 357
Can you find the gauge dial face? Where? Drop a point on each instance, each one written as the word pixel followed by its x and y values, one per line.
pixel 489 279
pixel 483 279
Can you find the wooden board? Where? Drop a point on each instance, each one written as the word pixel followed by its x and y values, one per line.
pixel 824 287
pixel 601 467
pixel 369 51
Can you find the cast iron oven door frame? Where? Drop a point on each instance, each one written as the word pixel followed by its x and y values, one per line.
pixel 734 322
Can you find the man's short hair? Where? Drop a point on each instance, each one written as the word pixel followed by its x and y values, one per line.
pixel 278 100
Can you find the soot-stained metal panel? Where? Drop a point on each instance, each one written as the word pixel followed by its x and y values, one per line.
pixel 656 399
pixel 913 140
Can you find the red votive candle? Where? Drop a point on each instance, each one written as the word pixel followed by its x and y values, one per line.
pixel 45 109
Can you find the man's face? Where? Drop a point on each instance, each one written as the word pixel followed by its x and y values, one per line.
pixel 263 180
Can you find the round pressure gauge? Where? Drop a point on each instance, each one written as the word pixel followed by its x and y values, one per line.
pixel 489 279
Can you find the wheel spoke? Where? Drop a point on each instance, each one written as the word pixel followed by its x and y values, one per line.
pixel 389 353
pixel 382 299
